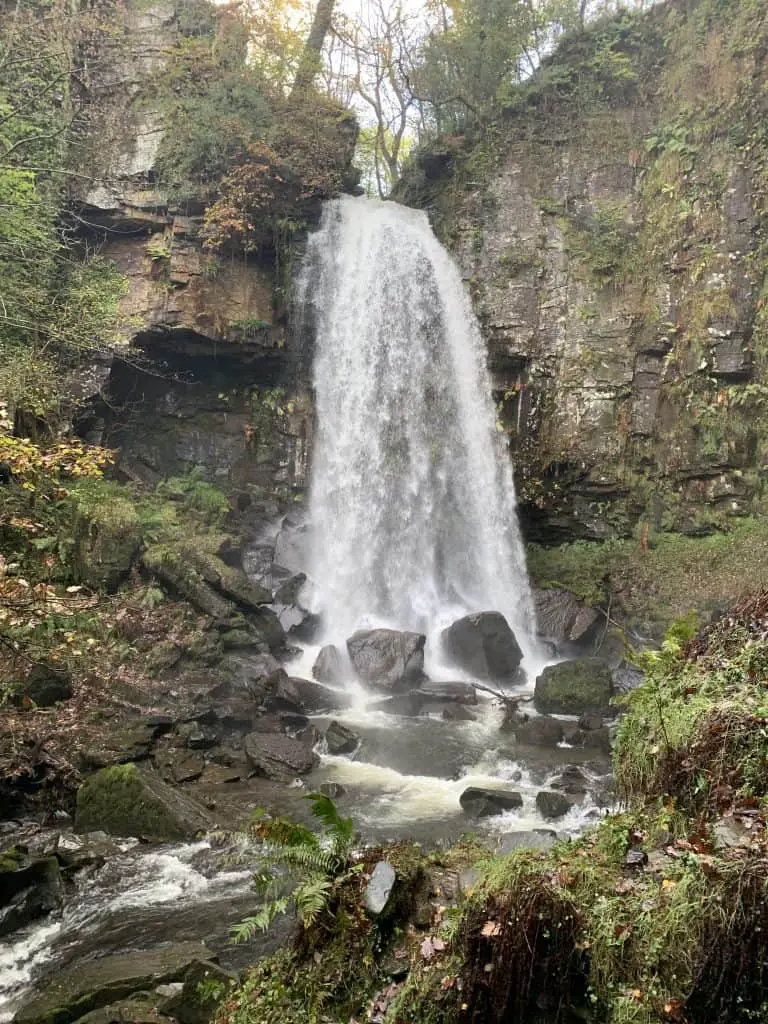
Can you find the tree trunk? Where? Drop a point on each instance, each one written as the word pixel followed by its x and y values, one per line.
pixel 313 48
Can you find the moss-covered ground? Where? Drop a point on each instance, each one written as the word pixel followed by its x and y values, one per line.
pixel 659 914
pixel 648 584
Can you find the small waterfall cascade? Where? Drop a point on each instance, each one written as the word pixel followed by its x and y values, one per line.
pixel 412 500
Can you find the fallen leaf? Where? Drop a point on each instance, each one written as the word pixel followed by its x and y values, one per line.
pixel 491 929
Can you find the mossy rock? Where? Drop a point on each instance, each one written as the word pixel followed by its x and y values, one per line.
pixel 128 800
pixel 82 988
pixel 573 687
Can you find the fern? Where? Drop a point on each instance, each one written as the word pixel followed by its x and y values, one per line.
pixel 318 862
pixel 313 898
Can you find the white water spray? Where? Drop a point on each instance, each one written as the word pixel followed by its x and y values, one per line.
pixel 412 499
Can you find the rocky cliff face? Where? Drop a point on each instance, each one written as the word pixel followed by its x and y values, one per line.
pixel 204 380
pixel 610 229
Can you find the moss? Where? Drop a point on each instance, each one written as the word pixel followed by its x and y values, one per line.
pixel 126 801
pixel 571 687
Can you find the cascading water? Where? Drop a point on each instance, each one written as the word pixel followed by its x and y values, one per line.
pixel 412 499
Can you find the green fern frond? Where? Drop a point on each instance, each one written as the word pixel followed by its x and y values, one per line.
pixel 306 858
pixel 260 921
pixel 313 898
pixel 282 832
pixel 341 831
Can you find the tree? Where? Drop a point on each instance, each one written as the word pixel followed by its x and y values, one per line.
pixel 380 44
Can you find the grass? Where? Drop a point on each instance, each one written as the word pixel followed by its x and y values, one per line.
pixel 649 589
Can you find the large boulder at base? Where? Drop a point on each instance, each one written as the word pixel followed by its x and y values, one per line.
pixel 291 693
pixel 205 985
pixel 448 693
pixel 563 618
pixel 573 687
pixel 131 800
pixel 481 803
pixel 82 987
pixel 404 705
pixel 279 757
pixel 483 645
pixel 535 839
pixel 339 739
pixel 329 665
pixel 538 731
pixel 386 658
pixel 552 804
pixel 28 889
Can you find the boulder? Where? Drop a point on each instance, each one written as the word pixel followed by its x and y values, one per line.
pixel 279 757
pixel 538 731
pixel 626 678
pixel 329 665
pixel 386 658
pixel 379 888
pixel 405 705
pixel 205 985
pixel 457 713
pixel 79 988
pixel 446 693
pixel 591 720
pixel 592 739
pixel 340 740
pixel 291 693
pixel 573 687
pixel 46 685
pixel 481 803
pixel 332 789
pixel 131 800
pixel 483 645
pixel 28 889
pixel 551 804
pixel 571 780
pixel 534 839
pixel 561 617
pixel 298 622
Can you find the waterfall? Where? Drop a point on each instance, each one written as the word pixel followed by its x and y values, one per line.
pixel 412 501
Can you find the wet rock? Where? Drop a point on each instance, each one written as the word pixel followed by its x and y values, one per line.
pixel 84 987
pixel 592 739
pixel 457 713
pixel 407 705
pixel 140 1008
pixel 340 740
pixel 329 665
pixel 573 687
pixel 379 888
pixel 205 985
pixel 288 592
pixel 279 757
pixel 561 617
pixel 75 852
pixel 481 803
pixel 202 737
pixel 298 622
pixel 538 731
pixel 571 780
pixel 626 678
pixel 534 839
pixel 29 889
pixel 291 545
pixel 123 742
pixel 130 800
pixel 551 804
pixel 46 685
pixel 591 721
pixel 483 645
pixel 291 693
pixel 333 790
pixel 387 658
pixel 459 693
